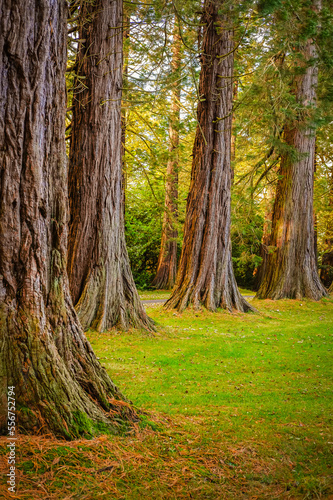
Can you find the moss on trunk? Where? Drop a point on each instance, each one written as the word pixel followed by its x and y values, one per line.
pixel 60 386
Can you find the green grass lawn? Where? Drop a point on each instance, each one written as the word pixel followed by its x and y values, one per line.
pixel 238 406
pixel 165 294
pixel 154 294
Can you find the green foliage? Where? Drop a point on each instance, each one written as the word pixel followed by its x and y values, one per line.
pixel 143 225
pixel 270 37
pixel 268 62
pixel 246 234
pixel 268 6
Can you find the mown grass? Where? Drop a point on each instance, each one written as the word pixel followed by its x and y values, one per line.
pixel 238 406
pixel 165 294
pixel 154 294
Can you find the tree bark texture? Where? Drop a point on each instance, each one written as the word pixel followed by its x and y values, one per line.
pixel 326 271
pixel 233 133
pixel 290 269
pixel 59 384
pixel 100 276
pixel 126 35
pixel 329 222
pixel 167 261
pixel 205 275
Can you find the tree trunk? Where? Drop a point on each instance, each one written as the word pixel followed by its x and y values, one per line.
pixel 326 272
pixel 265 240
pixel 167 261
pixel 205 273
pixel 100 276
pixel 127 10
pixel 290 266
pixel 233 133
pixel 329 223
pixel 315 221
pixel 59 384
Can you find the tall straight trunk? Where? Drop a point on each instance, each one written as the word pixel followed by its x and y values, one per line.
pixel 266 234
pixel 205 274
pixel 326 272
pixel 100 276
pixel 290 270
pixel 315 221
pixel 233 133
pixel 126 35
pixel 59 384
pixel 329 224
pixel 167 261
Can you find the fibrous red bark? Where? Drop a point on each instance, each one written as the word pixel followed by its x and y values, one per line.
pixel 290 269
pixel 264 246
pixel 100 276
pixel 167 261
pixel 326 272
pixel 60 385
pixel 205 274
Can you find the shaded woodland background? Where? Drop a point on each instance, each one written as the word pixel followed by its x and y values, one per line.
pixel 264 68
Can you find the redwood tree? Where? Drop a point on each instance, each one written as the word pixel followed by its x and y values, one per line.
pixel 167 260
pixel 205 274
pixel 264 245
pixel 100 276
pixel 327 258
pixel 59 384
pixel 289 267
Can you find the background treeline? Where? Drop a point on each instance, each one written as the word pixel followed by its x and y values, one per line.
pixel 265 66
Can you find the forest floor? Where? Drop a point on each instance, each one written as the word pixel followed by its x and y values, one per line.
pixel 239 406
